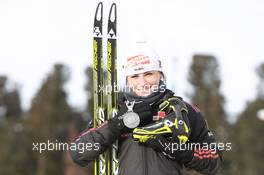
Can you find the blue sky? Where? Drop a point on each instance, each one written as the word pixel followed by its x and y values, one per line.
pixel 35 34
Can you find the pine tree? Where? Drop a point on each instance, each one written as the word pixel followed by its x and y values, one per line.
pixel 10 105
pixel 205 79
pixel 48 121
pixel 204 76
pixel 249 147
pixel 13 146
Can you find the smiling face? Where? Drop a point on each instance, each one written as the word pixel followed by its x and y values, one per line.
pixel 144 84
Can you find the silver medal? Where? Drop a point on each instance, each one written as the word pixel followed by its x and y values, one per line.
pixel 130 118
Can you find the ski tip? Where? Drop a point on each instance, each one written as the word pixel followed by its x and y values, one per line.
pixel 113 5
pixel 111 13
pixel 112 18
pixel 99 4
pixel 99 12
pixel 98 20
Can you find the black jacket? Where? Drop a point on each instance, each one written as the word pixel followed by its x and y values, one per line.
pixel 138 159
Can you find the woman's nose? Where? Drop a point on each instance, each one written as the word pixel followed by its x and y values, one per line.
pixel 141 80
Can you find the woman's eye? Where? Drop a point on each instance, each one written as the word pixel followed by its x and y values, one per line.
pixel 149 73
pixel 134 76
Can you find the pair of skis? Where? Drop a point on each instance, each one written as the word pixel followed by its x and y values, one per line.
pixel 106 163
